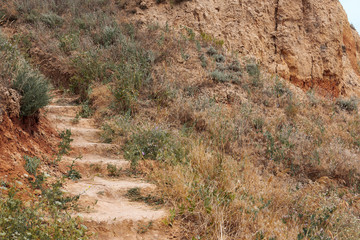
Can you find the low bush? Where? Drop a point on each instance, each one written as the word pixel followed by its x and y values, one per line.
pixel 34 89
pixel 113 171
pixel 18 74
pixel 108 36
pixel 211 51
pixel 253 70
pixel 220 76
pixel 225 76
pixel 154 144
pixel 64 145
pixel 52 20
pixel 32 164
pixel 350 105
pixel 36 220
pixel 72 173
pixel 219 58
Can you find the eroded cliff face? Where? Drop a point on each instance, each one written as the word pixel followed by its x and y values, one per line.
pixel 309 42
pixel 17 139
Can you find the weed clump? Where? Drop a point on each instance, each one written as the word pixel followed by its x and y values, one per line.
pixel 32 164
pixel 34 90
pixel 253 70
pixel 18 74
pixel 37 220
pixel 52 20
pixel 154 144
pixel 113 170
pixel 73 174
pixel 219 76
pixel 350 105
pixel 211 51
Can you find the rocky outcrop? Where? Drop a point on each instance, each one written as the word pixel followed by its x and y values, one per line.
pixel 9 103
pixel 309 42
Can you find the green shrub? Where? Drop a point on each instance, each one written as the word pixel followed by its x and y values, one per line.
pixel 89 68
pixel 16 73
pixel 86 110
pixel 220 76
pixel 211 51
pixel 350 105
pixel 69 42
pixel 108 36
pixel 253 70
pixel 73 174
pixel 219 58
pixel 155 144
pixel 31 165
pixel 223 76
pixel 203 60
pixel 130 75
pixel 32 86
pixel 280 89
pixel 52 20
pixel 113 170
pixel 64 145
pixel 34 89
pixel 37 220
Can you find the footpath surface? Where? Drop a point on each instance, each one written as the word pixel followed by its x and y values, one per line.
pixel 103 203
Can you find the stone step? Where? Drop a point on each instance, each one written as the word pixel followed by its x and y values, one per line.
pixel 61 100
pixel 70 121
pixel 83 148
pixel 90 165
pixel 68 111
pixel 79 134
pixel 110 203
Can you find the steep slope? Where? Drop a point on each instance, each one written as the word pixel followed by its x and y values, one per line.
pixel 19 138
pixel 235 152
pixel 307 42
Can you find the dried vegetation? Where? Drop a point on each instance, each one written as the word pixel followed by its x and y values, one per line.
pixel 237 153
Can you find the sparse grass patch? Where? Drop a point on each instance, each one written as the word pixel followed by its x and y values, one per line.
pixel 154 144
pixel 134 194
pixel 253 70
pixel 32 164
pixel 52 20
pixel 36 220
pixel 72 173
pixel 64 145
pixel 220 76
pixel 18 74
pixel 113 171
pixel 34 90
pixel 350 105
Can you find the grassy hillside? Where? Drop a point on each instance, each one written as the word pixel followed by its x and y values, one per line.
pixel 237 153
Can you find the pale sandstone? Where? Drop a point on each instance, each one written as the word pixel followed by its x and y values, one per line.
pixel 308 42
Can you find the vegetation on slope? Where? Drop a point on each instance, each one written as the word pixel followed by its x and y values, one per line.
pixel 237 153
pixel 23 214
pixel 18 74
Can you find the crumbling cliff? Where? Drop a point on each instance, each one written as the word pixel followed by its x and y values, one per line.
pixel 308 42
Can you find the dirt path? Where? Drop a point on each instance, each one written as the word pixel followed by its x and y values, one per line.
pixel 103 203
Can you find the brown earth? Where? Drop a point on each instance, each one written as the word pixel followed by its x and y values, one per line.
pixel 307 42
pixel 17 138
